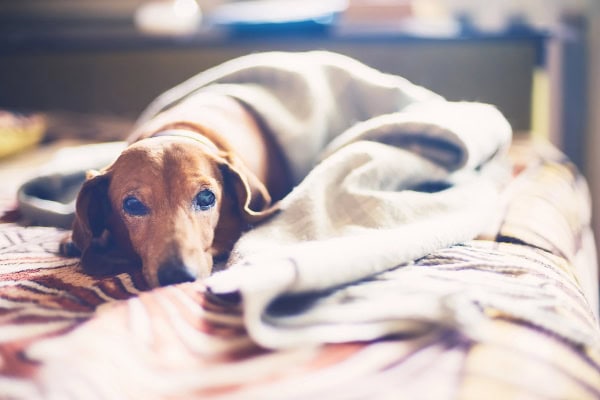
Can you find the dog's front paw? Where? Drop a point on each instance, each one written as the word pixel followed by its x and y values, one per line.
pixel 68 249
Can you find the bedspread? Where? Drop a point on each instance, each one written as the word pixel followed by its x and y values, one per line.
pixel 64 334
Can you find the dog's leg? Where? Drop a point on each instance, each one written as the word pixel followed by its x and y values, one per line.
pixel 67 248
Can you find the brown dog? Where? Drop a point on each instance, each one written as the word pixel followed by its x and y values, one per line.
pixel 192 180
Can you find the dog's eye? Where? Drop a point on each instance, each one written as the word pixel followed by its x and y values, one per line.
pixel 133 206
pixel 204 200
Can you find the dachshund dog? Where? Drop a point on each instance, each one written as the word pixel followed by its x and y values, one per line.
pixel 192 179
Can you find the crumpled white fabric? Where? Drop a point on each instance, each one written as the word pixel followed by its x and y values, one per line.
pixel 388 172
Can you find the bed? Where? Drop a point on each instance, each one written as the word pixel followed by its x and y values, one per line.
pixel 67 335
pixel 510 313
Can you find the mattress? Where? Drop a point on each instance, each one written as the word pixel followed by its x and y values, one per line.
pixel 64 334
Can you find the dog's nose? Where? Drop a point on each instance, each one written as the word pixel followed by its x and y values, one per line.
pixel 171 273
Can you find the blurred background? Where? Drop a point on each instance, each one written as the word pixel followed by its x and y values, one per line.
pixel 99 62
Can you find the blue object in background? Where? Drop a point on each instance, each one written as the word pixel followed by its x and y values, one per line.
pixel 268 16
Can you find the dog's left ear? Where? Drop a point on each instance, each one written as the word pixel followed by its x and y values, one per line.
pixel 253 198
pixel 246 201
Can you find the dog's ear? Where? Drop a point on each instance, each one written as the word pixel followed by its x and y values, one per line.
pixel 91 234
pixel 246 201
pixel 92 209
pixel 252 197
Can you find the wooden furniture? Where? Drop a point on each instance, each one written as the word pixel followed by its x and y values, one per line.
pixel 536 79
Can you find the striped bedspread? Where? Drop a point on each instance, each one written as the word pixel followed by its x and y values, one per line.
pixel 67 335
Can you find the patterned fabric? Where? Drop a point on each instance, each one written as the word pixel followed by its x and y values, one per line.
pixel 67 335
pixel 548 207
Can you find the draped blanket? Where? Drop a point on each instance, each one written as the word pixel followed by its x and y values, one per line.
pixel 396 172
pixel 387 172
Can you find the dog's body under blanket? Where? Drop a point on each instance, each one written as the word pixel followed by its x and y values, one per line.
pixel 387 172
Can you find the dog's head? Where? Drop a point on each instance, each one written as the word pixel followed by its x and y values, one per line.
pixel 169 204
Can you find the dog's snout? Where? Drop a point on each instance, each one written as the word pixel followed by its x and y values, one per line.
pixel 175 272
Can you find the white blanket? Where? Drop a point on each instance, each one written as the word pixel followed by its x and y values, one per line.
pixel 396 172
